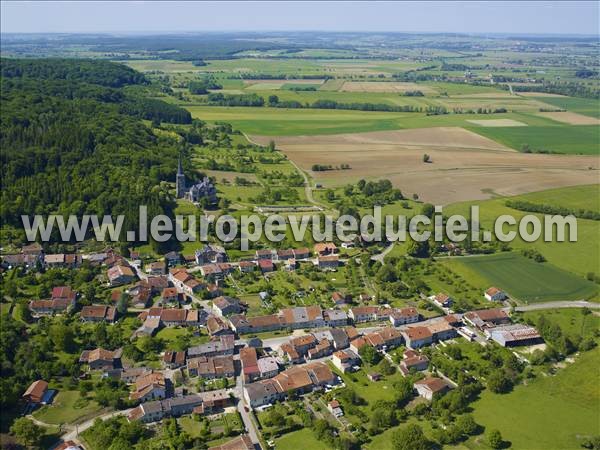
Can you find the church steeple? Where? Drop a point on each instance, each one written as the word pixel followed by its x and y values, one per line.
pixel 179 167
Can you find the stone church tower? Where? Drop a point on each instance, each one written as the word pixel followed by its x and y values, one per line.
pixel 179 181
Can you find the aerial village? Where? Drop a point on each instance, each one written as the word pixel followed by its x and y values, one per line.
pixel 231 358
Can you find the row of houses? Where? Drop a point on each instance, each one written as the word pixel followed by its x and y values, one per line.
pixel 315 317
pixel 282 255
pixel 439 330
pixel 156 318
pixel 296 380
pixel 62 300
pixel 201 403
pixel 33 255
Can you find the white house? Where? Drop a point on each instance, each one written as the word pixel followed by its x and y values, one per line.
pixel 494 294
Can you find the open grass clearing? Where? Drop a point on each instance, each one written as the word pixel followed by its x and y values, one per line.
pixel 549 412
pixel 304 438
pixel 569 139
pixel 579 257
pixel 67 407
pixel 524 279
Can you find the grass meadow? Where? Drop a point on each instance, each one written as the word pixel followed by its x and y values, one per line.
pixel 549 412
pixel 524 279
pixel 579 257
pixel 570 139
pixel 586 106
pixel 67 407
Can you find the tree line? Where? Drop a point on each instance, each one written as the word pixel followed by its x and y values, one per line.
pixel 523 205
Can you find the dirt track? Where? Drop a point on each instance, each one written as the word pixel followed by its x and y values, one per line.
pixel 465 166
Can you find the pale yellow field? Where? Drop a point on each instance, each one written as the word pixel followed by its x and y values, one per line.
pixel 285 81
pixel 384 86
pixel 498 123
pixel 570 117
pixel 465 166
pixel 539 94
pixel 485 95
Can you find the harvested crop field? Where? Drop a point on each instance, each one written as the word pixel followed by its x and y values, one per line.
pixel 385 86
pixel 571 118
pixel 465 166
pixel 498 123
pixel 430 137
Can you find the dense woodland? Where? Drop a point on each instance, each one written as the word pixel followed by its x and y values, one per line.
pixel 74 141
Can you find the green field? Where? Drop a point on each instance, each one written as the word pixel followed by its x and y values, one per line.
pixel 576 197
pixel 276 122
pixel 295 122
pixel 67 407
pixel 570 139
pixel 550 412
pixel 579 257
pixel 586 106
pixel 524 279
pixel 304 438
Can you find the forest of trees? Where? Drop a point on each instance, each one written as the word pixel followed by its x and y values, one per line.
pixel 74 142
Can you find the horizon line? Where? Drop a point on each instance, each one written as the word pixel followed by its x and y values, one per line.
pixel 179 32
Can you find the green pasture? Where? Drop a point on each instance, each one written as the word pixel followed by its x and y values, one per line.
pixel 294 122
pixel 67 407
pixel 554 412
pixel 523 278
pixel 562 138
pixel 579 257
pixel 586 106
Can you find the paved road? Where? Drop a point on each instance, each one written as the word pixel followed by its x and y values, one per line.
pixel 558 305
pixel 246 416
pixel 381 256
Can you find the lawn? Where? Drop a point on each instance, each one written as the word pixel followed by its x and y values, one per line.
pixel 570 139
pixel 524 279
pixel 550 412
pixel 66 408
pixel 193 427
pixel 371 391
pixel 304 438
pixel 175 338
pixel 579 257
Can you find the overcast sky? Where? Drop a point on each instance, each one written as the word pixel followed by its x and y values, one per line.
pixel 467 17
